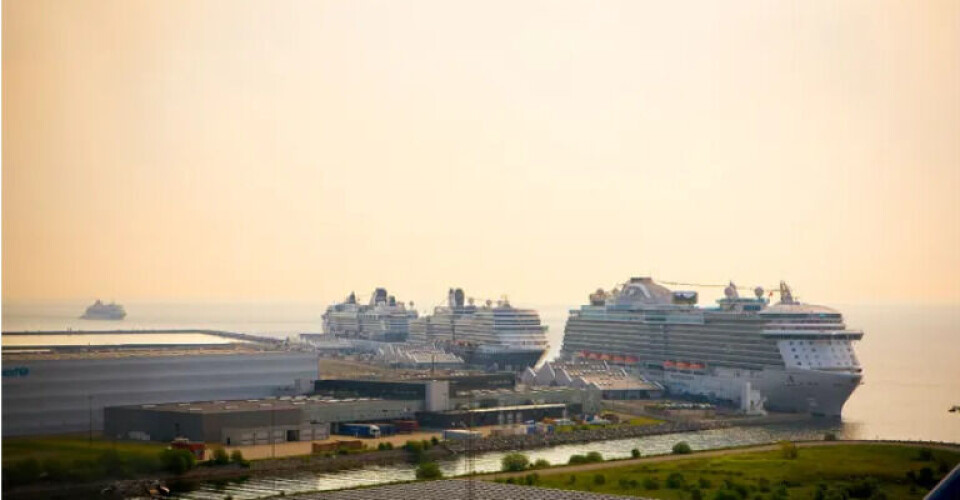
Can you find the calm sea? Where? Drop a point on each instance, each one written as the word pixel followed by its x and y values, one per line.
pixel 910 354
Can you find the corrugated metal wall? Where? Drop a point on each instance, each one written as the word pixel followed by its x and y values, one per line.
pixel 56 396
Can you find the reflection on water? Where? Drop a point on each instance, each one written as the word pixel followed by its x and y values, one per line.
pixel 488 462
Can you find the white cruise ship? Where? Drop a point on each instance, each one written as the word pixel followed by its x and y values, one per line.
pixel 99 310
pixel 494 335
pixel 382 319
pixel 799 357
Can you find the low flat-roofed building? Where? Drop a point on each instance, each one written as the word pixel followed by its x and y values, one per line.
pixel 500 415
pixel 253 421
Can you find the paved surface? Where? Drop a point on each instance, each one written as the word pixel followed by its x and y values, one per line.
pixel 457 489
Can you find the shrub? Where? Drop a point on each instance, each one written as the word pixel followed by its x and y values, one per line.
pixel 635 453
pixel 572 479
pixel 624 483
pixel 177 461
pixel 863 488
pixel 594 456
pixel 726 495
pixel 541 463
pixel 788 450
pixel 675 480
pixel 599 479
pixel 682 448
pixel 577 459
pixel 830 436
pixel 651 483
pixel 696 494
pixel 434 441
pixel 429 470
pixel 706 484
pixel 924 454
pixel 531 479
pixel 513 462
pixel 220 456
pixel 236 456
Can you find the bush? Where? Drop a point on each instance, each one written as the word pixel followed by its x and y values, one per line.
pixel 513 462
pixel 236 456
pixel 696 494
pixel 599 479
pixel 675 480
pixel 429 470
pixel 177 461
pixel 541 463
pixel 681 448
pixel 829 437
pixel 863 488
pixel 531 479
pixel 434 441
pixel 572 479
pixel 594 456
pixel 624 483
pixel 924 454
pixel 635 453
pixel 577 459
pixel 220 456
pixel 651 483
pixel 788 450
pixel 706 484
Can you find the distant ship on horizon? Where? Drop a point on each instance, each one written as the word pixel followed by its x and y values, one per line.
pixel 99 310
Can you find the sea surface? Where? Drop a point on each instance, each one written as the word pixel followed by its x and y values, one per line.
pixel 910 354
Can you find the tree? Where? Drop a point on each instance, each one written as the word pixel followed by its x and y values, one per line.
pixel 541 463
pixel 675 480
pixel 513 462
pixel 429 470
pixel 682 448
pixel 220 456
pixel 236 456
pixel 177 461
pixel 788 450
pixel 599 479
pixel 635 453
pixel 594 456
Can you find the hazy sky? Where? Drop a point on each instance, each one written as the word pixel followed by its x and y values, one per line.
pixel 274 150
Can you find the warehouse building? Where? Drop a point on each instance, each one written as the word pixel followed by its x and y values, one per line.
pixel 247 422
pixel 54 392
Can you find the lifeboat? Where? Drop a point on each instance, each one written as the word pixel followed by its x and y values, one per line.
pixel 669 364
pixel 682 366
pixel 632 359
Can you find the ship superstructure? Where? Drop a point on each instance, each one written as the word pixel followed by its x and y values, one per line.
pixel 493 335
pixel 100 310
pixel 383 318
pixel 799 357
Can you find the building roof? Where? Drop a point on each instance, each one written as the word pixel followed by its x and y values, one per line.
pixel 228 406
pixel 457 489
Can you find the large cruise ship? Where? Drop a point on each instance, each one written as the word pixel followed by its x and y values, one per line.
pixel 382 318
pixel 798 356
pixel 493 335
pixel 99 310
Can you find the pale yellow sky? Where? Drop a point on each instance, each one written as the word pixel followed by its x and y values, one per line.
pixel 267 150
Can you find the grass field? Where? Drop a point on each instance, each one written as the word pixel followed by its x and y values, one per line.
pixel 72 447
pixel 858 471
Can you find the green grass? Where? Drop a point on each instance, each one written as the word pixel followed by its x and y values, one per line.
pixel 762 474
pixel 68 448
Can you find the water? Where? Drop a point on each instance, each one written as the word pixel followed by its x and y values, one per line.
pixel 114 339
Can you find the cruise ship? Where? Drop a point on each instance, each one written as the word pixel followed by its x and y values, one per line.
pixel 799 357
pixel 493 335
pixel 99 310
pixel 382 318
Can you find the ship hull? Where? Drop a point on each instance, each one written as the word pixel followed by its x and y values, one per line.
pixel 502 360
pixel 108 317
pixel 795 391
